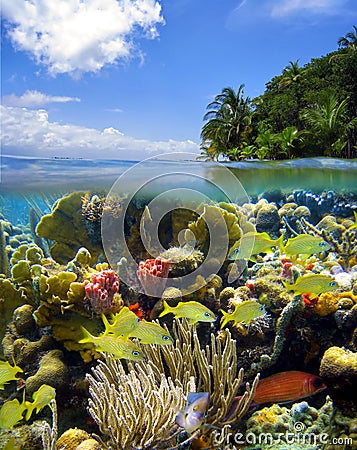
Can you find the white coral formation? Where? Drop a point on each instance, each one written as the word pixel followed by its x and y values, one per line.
pixel 136 407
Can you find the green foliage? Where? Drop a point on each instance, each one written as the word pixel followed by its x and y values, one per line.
pixel 228 121
pixel 327 121
pixel 304 111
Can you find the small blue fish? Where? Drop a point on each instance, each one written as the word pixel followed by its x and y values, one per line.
pixel 191 419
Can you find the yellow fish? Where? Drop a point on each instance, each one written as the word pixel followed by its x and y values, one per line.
pixel 243 312
pixel 119 347
pixel 151 333
pixel 313 284
pixel 253 243
pixel 41 398
pixel 305 244
pixel 193 311
pixel 123 323
pixel 10 413
pixel 7 373
pixel 354 226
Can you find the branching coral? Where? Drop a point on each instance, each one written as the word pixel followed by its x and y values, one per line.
pixel 136 408
pixel 344 243
pixel 214 368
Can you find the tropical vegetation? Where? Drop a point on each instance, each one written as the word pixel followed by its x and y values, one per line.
pixel 304 111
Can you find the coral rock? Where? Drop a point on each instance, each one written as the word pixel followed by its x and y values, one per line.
pixel 71 439
pixel 23 320
pixel 339 371
pixel 89 444
pixel 268 219
pixel 52 371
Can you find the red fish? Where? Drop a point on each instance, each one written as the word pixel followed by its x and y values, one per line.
pixel 287 387
pixel 283 387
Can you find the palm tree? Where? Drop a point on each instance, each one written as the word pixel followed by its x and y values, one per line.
pixel 292 74
pixel 328 121
pixel 228 120
pixel 350 40
pixel 208 152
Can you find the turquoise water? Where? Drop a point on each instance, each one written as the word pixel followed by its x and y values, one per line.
pixel 31 174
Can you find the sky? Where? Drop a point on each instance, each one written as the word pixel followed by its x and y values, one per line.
pixel 130 79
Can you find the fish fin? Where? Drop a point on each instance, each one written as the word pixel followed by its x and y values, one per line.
pixel 180 419
pixel 225 318
pixel 280 243
pixel 106 324
pixel 166 310
pixel 193 396
pixel 30 406
pixel 87 336
pixel 287 285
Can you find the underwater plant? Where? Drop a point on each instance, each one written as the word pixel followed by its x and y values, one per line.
pixel 136 407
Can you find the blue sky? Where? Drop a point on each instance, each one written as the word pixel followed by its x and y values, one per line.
pixel 127 79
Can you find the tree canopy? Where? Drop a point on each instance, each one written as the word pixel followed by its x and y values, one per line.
pixel 304 111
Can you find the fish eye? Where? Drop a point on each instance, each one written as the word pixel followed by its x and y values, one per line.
pixel 195 408
pixel 207 314
pixel 317 383
pixel 333 283
pixel 165 337
pixel 135 353
pixel 322 244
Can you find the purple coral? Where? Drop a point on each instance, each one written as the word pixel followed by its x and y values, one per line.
pixel 100 291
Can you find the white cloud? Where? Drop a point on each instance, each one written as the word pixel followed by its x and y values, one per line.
pixel 74 36
pixel 247 12
pixel 289 7
pixel 115 110
pixel 35 99
pixel 28 132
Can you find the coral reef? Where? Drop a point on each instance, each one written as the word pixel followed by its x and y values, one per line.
pixel 52 287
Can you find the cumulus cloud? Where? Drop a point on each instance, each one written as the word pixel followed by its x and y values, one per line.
pixel 35 99
pixel 74 36
pixel 28 132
